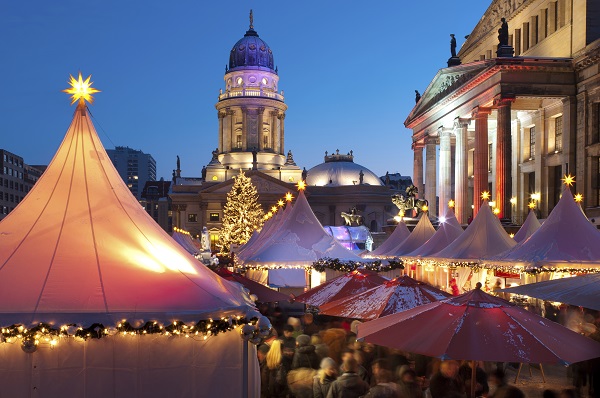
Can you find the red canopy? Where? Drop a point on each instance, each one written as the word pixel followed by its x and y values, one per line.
pixel 393 296
pixel 351 283
pixel 264 293
pixel 478 326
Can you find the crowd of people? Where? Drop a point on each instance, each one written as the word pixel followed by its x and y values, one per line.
pixel 305 359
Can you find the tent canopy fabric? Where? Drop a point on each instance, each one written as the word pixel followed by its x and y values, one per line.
pixel 80 249
pixel 400 233
pixel 351 283
pixel 448 231
pixel 480 327
pixel 483 237
pixel 393 296
pixel 264 293
pixel 299 240
pixel 582 291
pixel 566 239
pixel 258 239
pixel 530 225
pixel 422 233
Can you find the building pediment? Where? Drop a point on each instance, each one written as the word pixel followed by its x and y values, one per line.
pixel 446 81
pixel 264 184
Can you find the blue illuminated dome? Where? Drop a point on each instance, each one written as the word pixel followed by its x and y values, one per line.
pixel 251 52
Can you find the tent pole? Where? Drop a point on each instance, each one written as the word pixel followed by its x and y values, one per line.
pixel 473 378
pixel 245 369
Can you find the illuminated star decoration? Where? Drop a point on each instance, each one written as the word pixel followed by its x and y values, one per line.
pixel 280 203
pixel 531 205
pixel 274 209
pixel 485 195
pixel 424 208
pixel 451 203
pixel 289 196
pixel 496 211
pixel 81 90
pixel 578 198
pixel 568 180
pixel 301 185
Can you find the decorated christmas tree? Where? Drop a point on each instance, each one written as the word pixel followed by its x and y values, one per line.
pixel 242 214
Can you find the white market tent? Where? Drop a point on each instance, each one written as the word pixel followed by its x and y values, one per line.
pixel 448 231
pixel 400 234
pixel 530 225
pixel 79 249
pixel 185 240
pixel 422 233
pixel 299 240
pixel 485 236
pixel 566 240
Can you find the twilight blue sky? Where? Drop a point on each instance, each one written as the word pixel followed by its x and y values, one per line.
pixel 348 70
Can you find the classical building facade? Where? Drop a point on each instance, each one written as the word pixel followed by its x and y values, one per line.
pixel 514 120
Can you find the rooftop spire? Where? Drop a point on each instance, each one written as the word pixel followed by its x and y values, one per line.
pixel 251 20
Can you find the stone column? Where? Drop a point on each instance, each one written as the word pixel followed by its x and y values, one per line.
pixel 221 115
pixel 418 167
pixel 232 140
pixel 445 170
pixel 274 132
pixel 461 171
pixel 282 134
pixel 259 129
pixel 503 157
pixel 569 134
pixel 431 173
pixel 480 157
pixel 244 129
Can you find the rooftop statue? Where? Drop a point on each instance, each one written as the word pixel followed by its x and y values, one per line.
pixel 352 217
pixel 417 96
pixel 503 33
pixel 410 202
pixel 452 45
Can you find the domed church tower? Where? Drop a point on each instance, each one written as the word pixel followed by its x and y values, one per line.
pixel 251 114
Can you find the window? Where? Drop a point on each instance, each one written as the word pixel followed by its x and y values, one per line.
pixel 490 158
pixel 595 180
pixel 532 143
pixel 214 240
pixel 238 141
pixel 192 217
pixel 214 217
pixel 534 30
pixel 266 141
pixel 525 36
pixel 558 134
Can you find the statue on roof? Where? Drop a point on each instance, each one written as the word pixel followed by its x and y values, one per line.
pixel 387 178
pixel 251 19
pixel 304 174
pixel 503 33
pixel 204 172
pixel 361 177
pixel 417 96
pixel 352 217
pixel 178 163
pixel 215 154
pixel 452 45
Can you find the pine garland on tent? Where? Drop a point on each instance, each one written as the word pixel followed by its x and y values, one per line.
pixel 242 214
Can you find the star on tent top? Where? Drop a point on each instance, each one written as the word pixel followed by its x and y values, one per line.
pixel 568 180
pixel 81 90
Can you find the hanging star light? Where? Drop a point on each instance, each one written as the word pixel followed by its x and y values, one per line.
pixel 424 208
pixel 531 205
pixel 81 90
pixel 274 209
pixel 578 198
pixel 485 195
pixel 280 203
pixel 289 197
pixel 496 211
pixel 568 180
pixel 301 185
pixel 451 203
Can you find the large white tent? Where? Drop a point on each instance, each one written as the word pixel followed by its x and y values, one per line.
pixel 530 225
pixel 400 233
pixel 566 240
pixel 448 231
pixel 79 249
pixel 422 233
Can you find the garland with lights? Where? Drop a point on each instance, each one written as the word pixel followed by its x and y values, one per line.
pixel 348 266
pixel 49 333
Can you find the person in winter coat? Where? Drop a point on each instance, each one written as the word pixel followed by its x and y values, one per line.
pixel 446 382
pixel 349 384
pixel 275 377
pixel 305 355
pixel 326 375
pixel 384 388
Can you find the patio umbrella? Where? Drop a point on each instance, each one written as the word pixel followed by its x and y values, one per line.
pixel 393 296
pixel 351 283
pixel 264 293
pixel 580 290
pixel 479 327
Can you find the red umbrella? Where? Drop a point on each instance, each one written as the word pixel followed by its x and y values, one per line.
pixel 351 283
pixel 264 294
pixel 393 296
pixel 479 327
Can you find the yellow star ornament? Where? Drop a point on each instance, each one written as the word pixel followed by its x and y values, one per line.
pixel 485 195
pixel 81 90
pixel 301 185
pixel 568 180
pixel 289 197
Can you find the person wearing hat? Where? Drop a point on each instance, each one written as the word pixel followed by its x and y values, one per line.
pixel 326 375
pixel 305 355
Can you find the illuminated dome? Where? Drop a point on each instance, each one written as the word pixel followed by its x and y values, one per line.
pixel 340 170
pixel 251 51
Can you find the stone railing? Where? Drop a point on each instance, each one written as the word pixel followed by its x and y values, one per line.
pixel 251 92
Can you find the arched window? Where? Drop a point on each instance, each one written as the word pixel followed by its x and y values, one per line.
pixel 373 227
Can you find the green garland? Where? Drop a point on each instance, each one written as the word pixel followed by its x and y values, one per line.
pixel 49 332
pixel 348 266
